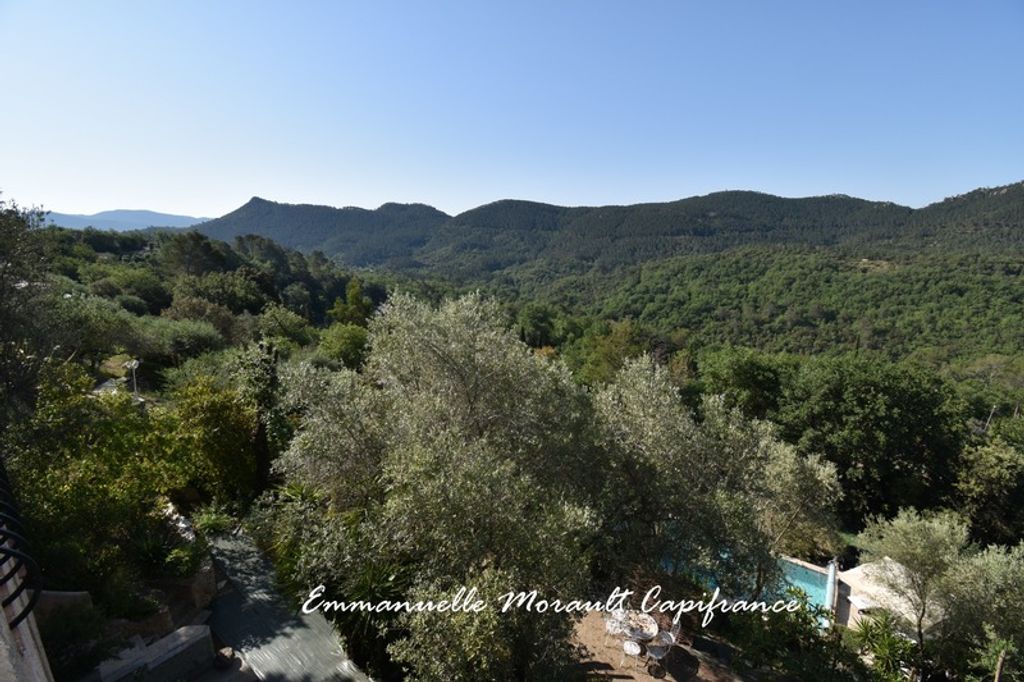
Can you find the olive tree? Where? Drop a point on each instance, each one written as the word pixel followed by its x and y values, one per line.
pixel 457 457
pixel 982 606
pixel 924 548
pixel 719 497
pixel 459 368
pixel 342 442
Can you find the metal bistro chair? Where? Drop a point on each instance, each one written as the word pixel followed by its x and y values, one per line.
pixel 665 638
pixel 658 648
pixel 655 654
pixel 680 637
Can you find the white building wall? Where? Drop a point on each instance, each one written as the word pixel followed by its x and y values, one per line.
pixel 22 658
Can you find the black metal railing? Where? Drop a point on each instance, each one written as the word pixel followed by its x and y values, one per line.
pixel 24 573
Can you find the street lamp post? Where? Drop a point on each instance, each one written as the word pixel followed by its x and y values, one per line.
pixel 133 365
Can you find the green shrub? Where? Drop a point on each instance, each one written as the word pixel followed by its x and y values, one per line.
pixel 217 366
pixel 213 435
pixel 106 287
pixel 89 472
pixel 132 304
pixel 213 519
pixel 162 341
pixel 184 560
pixel 345 343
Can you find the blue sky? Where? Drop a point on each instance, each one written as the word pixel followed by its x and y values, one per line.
pixel 193 107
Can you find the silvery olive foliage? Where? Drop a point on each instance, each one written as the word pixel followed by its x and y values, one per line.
pixel 983 598
pixel 648 434
pixel 456 454
pixel 459 370
pixel 343 438
pixel 459 456
pixel 923 548
pixel 719 497
pixel 492 645
pixel 965 602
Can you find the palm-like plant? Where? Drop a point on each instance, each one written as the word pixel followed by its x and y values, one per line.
pixel 880 637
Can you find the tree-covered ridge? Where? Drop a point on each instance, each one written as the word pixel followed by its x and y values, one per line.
pixel 355 235
pixel 505 236
pixel 942 307
pixel 983 207
pixel 515 233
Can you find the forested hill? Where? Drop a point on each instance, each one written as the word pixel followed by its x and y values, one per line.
pixel 510 233
pixel 504 234
pixel 355 235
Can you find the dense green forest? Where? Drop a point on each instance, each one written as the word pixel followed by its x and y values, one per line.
pixel 704 385
pixel 823 274
pixel 935 307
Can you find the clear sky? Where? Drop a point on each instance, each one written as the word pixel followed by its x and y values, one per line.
pixel 193 107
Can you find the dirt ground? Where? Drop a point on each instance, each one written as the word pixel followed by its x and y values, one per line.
pixel 684 663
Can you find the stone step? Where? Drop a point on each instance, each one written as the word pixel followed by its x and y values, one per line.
pixel 184 653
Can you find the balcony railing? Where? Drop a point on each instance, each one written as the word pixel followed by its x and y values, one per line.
pixel 21 573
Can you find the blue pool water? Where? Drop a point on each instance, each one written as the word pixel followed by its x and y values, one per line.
pixel 813 583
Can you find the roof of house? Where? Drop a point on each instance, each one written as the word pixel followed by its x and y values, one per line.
pixel 871 587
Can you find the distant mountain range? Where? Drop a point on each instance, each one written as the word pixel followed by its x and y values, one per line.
pixel 511 233
pixel 510 236
pixel 122 220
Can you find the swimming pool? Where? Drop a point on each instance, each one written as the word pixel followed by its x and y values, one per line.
pixel 814 583
pixel 813 580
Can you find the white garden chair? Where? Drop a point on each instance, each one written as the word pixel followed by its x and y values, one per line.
pixel 614 626
pixel 630 648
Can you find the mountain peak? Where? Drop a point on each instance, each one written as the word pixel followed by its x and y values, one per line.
pixel 346 231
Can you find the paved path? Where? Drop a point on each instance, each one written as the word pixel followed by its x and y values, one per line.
pixel 280 644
